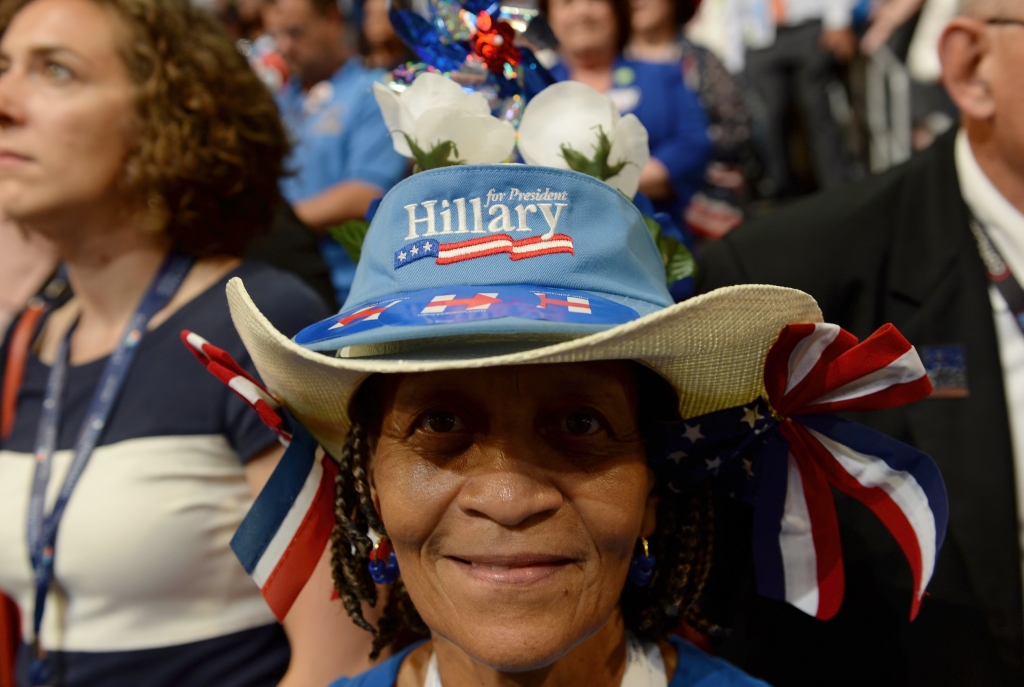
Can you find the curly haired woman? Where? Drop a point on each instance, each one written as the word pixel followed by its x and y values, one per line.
pixel 136 140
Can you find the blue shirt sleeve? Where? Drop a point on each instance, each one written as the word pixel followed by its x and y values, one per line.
pixel 367 147
pixel 687 149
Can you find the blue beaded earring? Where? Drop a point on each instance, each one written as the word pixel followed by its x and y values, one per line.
pixel 641 568
pixel 383 564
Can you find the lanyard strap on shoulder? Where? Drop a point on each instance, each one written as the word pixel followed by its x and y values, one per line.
pixel 999 272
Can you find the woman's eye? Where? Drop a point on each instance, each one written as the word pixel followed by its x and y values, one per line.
pixel 57 72
pixel 441 422
pixel 581 423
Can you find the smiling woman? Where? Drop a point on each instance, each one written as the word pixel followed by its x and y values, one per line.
pixel 527 488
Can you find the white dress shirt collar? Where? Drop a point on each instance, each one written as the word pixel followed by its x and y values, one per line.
pixel 1003 222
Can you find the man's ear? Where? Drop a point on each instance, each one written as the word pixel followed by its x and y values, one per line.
pixel 965 52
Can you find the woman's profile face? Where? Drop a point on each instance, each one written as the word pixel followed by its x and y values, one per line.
pixel 514 498
pixel 583 26
pixel 65 108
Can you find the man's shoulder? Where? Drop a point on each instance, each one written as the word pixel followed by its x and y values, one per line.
pixel 860 207
pixel 355 76
pixel 872 210
pixel 831 242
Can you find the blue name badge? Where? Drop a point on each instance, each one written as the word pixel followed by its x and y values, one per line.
pixel 458 304
pixel 947 370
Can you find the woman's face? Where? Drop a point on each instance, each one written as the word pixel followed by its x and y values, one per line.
pixel 65 108
pixel 514 498
pixel 583 26
pixel 651 15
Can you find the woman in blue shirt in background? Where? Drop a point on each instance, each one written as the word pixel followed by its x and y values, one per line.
pixel 592 35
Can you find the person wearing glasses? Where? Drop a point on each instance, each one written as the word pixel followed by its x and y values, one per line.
pixel 937 248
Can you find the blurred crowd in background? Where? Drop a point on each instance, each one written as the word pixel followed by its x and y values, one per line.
pixel 794 96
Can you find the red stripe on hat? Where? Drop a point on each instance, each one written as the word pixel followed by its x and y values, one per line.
pixel 844 363
pixel 300 559
pixel 780 357
pixel 824 523
pixel 880 503
pixel 877 352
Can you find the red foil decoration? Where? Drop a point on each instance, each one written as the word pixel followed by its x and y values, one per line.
pixel 494 43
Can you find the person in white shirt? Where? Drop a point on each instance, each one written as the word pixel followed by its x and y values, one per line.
pixel 902 247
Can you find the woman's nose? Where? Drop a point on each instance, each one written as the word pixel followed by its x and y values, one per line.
pixel 12 108
pixel 509 495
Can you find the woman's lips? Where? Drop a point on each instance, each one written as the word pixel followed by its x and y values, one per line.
pixel 12 159
pixel 517 570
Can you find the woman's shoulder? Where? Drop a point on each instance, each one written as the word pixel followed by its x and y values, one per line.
pixel 383 675
pixel 287 301
pixel 698 669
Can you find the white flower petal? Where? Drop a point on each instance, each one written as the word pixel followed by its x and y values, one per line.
pixel 431 90
pixel 396 117
pixel 480 138
pixel 563 113
pixel 629 142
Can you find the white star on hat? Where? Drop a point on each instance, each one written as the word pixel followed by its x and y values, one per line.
pixel 427 246
pixel 402 255
pixel 693 433
pixel 676 457
pixel 751 416
pixel 714 464
pixel 414 250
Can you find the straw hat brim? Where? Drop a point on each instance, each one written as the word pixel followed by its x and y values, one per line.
pixel 711 349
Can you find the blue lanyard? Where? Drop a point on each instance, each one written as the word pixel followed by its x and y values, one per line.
pixel 42 528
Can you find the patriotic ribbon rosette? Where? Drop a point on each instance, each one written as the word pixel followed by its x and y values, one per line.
pixel 784 450
pixel 787 453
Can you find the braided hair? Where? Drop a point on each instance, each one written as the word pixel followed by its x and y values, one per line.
pixel 682 541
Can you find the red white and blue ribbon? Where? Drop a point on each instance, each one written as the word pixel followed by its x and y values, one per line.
pixel 282 538
pixel 789 459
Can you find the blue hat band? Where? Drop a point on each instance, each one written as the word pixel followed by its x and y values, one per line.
pixel 570 310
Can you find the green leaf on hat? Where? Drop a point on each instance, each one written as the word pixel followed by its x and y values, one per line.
pixel 351 235
pixel 598 166
pixel 676 257
pixel 438 156
pixel 679 262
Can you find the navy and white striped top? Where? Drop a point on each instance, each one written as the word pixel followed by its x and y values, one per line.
pixel 147 590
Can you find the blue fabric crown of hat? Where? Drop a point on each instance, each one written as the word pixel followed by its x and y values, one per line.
pixel 497 251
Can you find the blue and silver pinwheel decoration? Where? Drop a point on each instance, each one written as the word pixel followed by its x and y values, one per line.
pixel 477 44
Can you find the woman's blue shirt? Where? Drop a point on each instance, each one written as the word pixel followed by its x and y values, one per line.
pixel 675 121
pixel 695 669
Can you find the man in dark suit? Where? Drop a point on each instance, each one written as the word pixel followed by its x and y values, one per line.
pixel 898 248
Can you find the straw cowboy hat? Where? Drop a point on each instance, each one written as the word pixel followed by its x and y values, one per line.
pixel 489 265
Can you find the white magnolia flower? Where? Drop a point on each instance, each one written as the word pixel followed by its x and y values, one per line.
pixel 434 109
pixel 572 114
